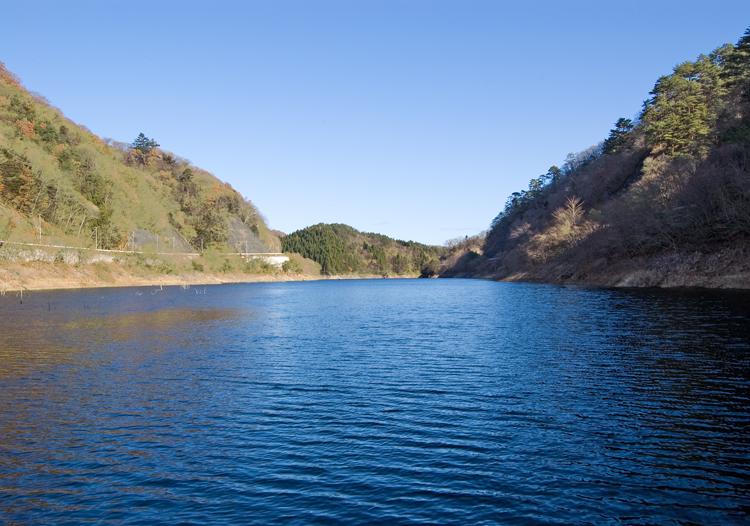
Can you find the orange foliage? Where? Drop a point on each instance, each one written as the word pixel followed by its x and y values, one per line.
pixel 26 128
pixel 8 77
pixel 137 157
pixel 216 190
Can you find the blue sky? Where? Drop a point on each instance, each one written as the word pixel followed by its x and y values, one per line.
pixel 411 118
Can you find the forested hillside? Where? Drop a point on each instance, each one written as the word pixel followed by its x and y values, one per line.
pixel 59 183
pixel 664 200
pixel 340 249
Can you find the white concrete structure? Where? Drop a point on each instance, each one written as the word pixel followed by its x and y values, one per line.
pixel 276 260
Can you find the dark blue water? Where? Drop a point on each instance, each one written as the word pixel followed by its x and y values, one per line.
pixel 391 402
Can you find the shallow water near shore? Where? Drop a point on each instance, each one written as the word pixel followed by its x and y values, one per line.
pixel 374 401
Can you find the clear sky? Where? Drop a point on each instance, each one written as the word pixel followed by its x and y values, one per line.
pixel 411 118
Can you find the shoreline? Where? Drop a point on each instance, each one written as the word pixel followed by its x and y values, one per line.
pixel 36 276
pixel 721 269
pixel 740 283
pixel 522 278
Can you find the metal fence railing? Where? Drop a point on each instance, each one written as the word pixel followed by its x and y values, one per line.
pixel 121 251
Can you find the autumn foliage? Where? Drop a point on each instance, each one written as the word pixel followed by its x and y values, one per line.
pixel 101 193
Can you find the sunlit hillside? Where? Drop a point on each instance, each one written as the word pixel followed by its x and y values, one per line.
pixel 341 249
pixel 61 184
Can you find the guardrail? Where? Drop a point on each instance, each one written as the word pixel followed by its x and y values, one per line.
pixel 118 251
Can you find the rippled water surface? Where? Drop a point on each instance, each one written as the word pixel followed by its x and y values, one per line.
pixel 384 401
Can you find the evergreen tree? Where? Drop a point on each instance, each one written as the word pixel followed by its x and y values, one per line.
pixel 617 135
pixel 736 61
pixel 340 249
pixel 681 113
pixel 535 187
pixel 554 172
pixel 143 144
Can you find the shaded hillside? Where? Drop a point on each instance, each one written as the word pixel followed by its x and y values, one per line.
pixel 340 249
pixel 59 183
pixel 664 200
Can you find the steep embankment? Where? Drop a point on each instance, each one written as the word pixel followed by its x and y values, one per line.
pixel 36 275
pixel 61 184
pixel 77 210
pixel 340 249
pixel 663 201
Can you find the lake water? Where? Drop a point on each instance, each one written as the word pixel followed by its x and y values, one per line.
pixel 374 401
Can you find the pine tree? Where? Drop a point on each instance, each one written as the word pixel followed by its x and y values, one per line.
pixel 681 113
pixel 143 144
pixel 554 173
pixel 617 135
pixel 736 69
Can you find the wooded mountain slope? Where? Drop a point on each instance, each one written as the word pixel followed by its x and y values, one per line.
pixel 340 249
pixel 60 183
pixel 664 200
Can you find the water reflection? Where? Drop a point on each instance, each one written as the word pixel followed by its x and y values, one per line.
pixel 391 401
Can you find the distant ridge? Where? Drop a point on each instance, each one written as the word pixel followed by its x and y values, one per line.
pixel 341 249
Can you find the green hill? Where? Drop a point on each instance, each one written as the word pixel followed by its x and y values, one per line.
pixel 340 249
pixel 664 200
pixel 59 183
